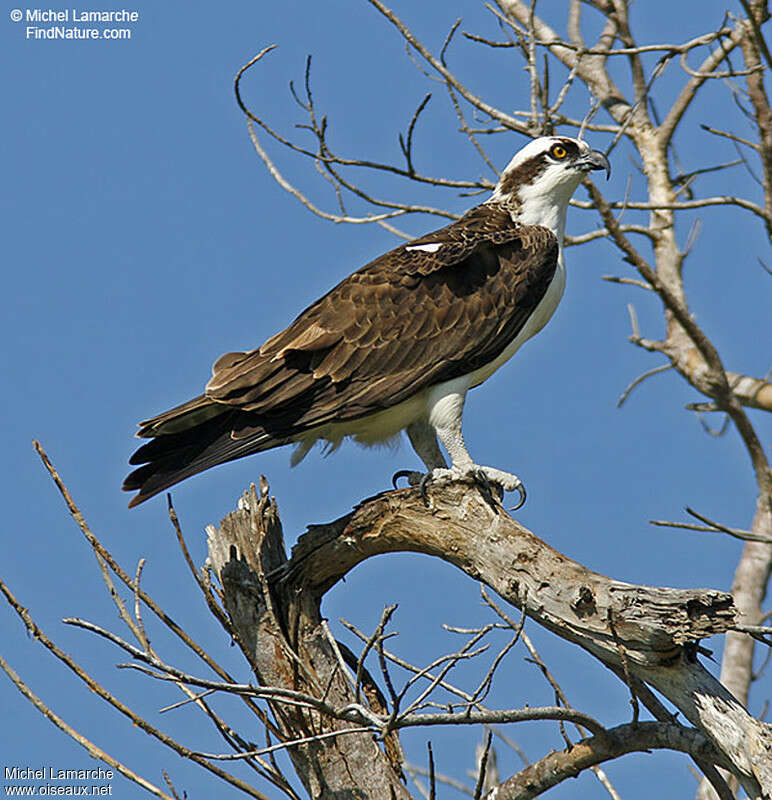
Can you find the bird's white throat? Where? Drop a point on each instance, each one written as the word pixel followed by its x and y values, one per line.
pixel 543 204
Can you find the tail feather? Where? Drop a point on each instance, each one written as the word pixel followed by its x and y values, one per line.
pixel 181 418
pixel 201 438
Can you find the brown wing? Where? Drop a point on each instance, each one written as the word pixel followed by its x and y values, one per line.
pixel 410 319
pixel 407 320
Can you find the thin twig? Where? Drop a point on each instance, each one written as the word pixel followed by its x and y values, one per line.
pixel 317 737
pixel 478 789
pixel 432 781
pixel 213 605
pixel 87 744
pixel 627 282
pixel 747 536
pixel 377 633
pixel 639 380
pixel 139 721
pixel 142 634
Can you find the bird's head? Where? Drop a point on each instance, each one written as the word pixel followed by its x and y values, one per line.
pixel 543 175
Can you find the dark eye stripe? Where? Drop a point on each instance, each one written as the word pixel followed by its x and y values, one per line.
pixel 571 149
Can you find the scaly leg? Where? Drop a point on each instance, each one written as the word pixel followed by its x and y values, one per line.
pixel 446 420
pixel 424 441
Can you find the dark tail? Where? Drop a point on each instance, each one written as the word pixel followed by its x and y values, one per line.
pixel 189 439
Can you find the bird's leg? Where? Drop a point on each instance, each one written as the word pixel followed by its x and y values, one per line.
pixel 424 441
pixel 446 420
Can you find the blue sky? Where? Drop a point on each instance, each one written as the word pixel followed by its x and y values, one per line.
pixel 143 239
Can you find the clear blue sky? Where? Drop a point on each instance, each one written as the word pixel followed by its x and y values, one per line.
pixel 143 238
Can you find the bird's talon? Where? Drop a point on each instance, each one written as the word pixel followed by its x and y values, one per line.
pixel 520 489
pixel 485 486
pixel 402 473
pixel 482 479
pixel 422 487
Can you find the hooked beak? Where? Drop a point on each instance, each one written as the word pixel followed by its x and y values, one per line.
pixel 594 160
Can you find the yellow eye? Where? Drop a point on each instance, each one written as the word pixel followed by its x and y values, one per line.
pixel 558 151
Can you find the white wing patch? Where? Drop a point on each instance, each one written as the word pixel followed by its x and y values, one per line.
pixel 426 248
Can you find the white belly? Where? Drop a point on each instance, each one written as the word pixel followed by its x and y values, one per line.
pixel 540 317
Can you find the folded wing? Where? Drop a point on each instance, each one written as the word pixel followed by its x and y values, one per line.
pixel 439 307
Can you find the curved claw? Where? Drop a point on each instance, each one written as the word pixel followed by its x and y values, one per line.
pixel 422 487
pixel 482 479
pixel 521 502
pixel 402 473
pixel 486 487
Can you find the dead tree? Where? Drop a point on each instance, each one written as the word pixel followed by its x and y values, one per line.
pixel 328 711
pixel 735 53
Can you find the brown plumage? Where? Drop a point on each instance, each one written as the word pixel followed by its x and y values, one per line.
pixel 394 346
pixel 406 321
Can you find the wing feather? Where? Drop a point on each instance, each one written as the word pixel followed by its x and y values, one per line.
pixel 407 320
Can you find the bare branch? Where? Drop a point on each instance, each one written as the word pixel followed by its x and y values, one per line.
pixel 206 590
pixel 689 91
pixel 670 300
pixel 317 737
pixel 377 634
pixel 731 136
pixel 602 233
pixel 406 145
pixel 738 534
pixel 633 737
pixel 494 113
pixel 87 744
pixel 135 718
pixel 104 556
pixel 670 49
pixel 640 379
pixel 684 205
pixel 325 155
pixel 296 193
pixel 481 777
pixel 627 282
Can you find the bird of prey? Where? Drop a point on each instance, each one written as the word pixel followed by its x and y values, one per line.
pixel 396 345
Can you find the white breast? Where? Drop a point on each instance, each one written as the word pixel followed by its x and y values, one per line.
pixel 539 318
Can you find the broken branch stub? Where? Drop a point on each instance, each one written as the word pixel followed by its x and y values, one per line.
pixel 281 634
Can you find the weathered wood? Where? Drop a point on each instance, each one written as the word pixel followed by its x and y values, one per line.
pixel 556 766
pixel 281 635
pixel 710 707
pixel 648 633
pixel 652 632
pixel 600 613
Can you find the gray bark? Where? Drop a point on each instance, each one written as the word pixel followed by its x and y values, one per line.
pixel 281 634
pixel 650 633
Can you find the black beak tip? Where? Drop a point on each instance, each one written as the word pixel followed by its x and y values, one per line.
pixel 600 161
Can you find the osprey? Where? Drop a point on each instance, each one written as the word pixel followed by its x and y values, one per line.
pixel 394 346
